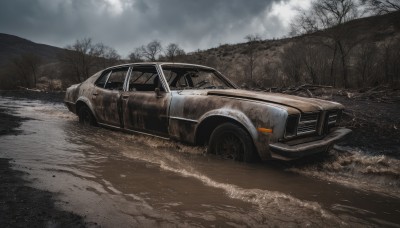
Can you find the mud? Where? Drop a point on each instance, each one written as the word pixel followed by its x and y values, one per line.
pixel 24 206
pixel 116 179
pixel 20 204
pixel 375 125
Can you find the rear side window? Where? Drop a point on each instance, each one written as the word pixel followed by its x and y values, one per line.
pixel 101 81
pixel 112 79
pixel 116 79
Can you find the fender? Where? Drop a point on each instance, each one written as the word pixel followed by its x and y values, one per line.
pixel 88 103
pixel 233 114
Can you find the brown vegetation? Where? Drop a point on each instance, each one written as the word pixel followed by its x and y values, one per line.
pixel 83 58
pixel 356 54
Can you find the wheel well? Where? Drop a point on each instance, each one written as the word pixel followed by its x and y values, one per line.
pixel 208 125
pixel 79 105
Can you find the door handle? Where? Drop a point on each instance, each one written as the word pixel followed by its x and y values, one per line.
pixel 125 96
pixel 94 95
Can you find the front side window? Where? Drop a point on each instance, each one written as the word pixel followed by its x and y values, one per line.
pixel 144 79
pixel 182 77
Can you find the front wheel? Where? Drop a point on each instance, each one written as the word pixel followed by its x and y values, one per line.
pixel 86 117
pixel 231 141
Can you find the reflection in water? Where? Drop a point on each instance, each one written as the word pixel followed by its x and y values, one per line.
pixel 117 179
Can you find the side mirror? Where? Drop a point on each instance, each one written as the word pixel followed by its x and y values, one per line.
pixel 158 93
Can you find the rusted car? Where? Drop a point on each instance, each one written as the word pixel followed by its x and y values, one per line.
pixel 198 105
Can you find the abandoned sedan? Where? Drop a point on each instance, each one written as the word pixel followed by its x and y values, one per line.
pixel 197 105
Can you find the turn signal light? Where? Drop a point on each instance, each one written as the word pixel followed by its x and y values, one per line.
pixel 264 130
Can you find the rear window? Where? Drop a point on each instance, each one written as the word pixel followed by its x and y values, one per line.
pixel 112 79
pixel 101 81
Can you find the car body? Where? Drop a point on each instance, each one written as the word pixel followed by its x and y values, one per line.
pixel 198 105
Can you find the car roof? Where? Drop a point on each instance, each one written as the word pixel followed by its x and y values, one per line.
pixel 160 64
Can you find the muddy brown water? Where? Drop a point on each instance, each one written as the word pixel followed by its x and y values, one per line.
pixel 117 179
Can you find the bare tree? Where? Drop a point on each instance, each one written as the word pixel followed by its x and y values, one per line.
pixel 382 6
pixel 329 16
pixel 151 50
pixel 303 23
pixel 81 57
pixel 365 62
pixel 251 47
pixel 292 63
pixel 269 74
pixel 136 55
pixel 390 60
pixel 84 57
pixel 172 51
pixel 108 56
pixel 316 61
pixel 26 68
pixel 32 62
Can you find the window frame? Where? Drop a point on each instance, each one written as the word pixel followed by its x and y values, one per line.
pixel 109 71
pixel 160 76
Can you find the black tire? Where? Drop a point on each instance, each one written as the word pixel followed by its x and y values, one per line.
pixel 86 117
pixel 231 141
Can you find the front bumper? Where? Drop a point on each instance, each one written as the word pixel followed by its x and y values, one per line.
pixel 284 151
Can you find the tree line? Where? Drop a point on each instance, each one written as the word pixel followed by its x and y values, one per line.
pixel 323 49
pixel 84 57
pixel 334 54
pixel 326 48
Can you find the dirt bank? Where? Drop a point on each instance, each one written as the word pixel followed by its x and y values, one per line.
pixel 375 125
pixel 53 97
pixel 21 205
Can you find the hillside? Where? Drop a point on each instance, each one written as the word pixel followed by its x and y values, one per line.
pixel 13 46
pixel 371 46
pixel 276 62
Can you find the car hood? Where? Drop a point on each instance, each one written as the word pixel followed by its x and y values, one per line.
pixel 300 103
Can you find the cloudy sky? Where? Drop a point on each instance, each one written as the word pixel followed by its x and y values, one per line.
pixel 126 24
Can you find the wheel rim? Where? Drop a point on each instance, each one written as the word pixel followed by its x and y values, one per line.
pixel 230 147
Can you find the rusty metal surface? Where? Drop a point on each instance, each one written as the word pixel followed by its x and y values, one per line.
pixel 282 150
pixel 300 103
pixel 180 114
pixel 198 106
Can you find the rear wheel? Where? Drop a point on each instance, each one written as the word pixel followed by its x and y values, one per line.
pixel 231 141
pixel 86 117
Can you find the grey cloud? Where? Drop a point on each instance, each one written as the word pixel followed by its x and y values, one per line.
pixel 191 23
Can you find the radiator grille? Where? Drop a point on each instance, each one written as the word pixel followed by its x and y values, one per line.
pixel 332 117
pixel 308 124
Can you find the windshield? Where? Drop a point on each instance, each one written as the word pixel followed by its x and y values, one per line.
pixel 182 77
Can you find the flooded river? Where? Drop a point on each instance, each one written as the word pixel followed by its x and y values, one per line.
pixel 115 179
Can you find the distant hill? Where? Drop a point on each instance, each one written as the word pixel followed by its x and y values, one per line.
pixel 232 59
pixel 13 46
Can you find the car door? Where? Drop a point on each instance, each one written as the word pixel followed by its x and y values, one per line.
pixel 107 97
pixel 144 109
